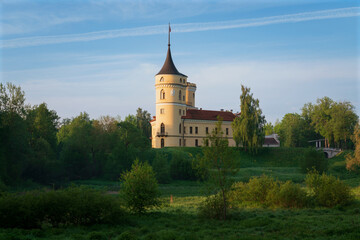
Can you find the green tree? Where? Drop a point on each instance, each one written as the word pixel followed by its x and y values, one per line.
pixel 291 130
pixel 140 188
pixel 14 138
pixel 269 129
pixel 353 160
pixel 161 168
pixel 218 159
pixel 248 127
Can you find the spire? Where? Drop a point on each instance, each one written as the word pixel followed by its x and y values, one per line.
pixel 169 66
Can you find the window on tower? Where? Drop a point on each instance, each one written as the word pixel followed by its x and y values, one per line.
pixel 162 94
pixel 180 128
pixel 183 98
pixel 190 130
pixel 162 111
pixel 161 79
pixel 180 95
pixel 162 128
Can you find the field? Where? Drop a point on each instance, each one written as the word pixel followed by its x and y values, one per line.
pixel 178 219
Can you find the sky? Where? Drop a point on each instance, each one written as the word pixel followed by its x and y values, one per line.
pixel 101 56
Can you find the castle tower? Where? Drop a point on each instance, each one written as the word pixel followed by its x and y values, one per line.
pixel 174 95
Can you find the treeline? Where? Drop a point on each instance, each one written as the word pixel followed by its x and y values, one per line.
pixel 329 120
pixel 35 145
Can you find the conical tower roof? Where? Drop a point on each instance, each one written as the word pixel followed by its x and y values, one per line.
pixel 169 66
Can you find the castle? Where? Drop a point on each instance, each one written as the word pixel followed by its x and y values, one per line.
pixel 178 122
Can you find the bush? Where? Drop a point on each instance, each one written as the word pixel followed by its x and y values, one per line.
pixel 266 191
pixel 140 188
pixel 161 168
pixel 71 206
pixel 327 190
pixel 181 167
pixel 288 195
pixel 314 160
pixel 212 207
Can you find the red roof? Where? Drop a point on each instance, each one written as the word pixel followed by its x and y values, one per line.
pixel 271 141
pixel 208 115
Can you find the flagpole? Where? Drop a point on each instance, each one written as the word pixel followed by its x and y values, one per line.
pixel 169 35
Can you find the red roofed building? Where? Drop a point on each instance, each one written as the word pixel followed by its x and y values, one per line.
pixel 178 122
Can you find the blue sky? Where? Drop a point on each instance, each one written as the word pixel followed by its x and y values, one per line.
pixel 101 56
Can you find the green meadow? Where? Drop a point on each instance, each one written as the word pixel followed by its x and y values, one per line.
pixel 177 217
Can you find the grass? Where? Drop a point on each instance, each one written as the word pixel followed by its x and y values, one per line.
pixel 178 219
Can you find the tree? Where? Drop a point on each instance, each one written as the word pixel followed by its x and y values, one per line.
pixel 353 160
pixel 218 159
pixel 14 138
pixel 291 130
pixel 268 129
pixel 140 188
pixel 248 127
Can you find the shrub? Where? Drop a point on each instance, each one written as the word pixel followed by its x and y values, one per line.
pixel 288 195
pixel 259 187
pixel 212 207
pixel 327 190
pixel 181 167
pixel 71 206
pixel 140 188
pixel 161 168
pixel 314 160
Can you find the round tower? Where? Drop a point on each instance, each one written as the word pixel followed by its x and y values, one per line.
pixel 171 103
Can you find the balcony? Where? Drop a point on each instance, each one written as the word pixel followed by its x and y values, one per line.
pixel 161 134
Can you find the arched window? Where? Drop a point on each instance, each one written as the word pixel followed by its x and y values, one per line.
pixel 162 142
pixel 162 94
pixel 180 95
pixel 161 79
pixel 194 96
pixel 162 128
pixel 180 128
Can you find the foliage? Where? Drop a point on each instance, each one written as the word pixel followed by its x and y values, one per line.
pixel 71 206
pixel 161 168
pixel 314 160
pixel 140 188
pixel 327 190
pixel 291 131
pixel 268 129
pixel 288 195
pixel 248 127
pixel 353 161
pixel 218 159
pixel 212 207
pixel 181 166
pixel 335 121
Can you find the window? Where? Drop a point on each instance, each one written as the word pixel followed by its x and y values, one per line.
pixel 161 79
pixel 162 111
pixel 181 80
pixel 180 142
pixel 162 94
pixel 190 130
pixel 180 95
pixel 162 143
pixel 162 128
pixel 207 130
pixel 196 130
pixel 180 112
pixel 183 112
pixel 183 98
pixel 227 131
pixel 194 96
pixel 196 143
pixel 180 128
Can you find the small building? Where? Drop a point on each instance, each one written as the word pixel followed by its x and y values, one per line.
pixel 271 141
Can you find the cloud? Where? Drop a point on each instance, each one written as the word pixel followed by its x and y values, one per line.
pixel 189 27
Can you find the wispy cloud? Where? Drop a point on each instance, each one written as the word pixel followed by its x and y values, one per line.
pixel 189 27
